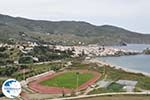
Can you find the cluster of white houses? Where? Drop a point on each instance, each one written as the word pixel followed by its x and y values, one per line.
pixel 89 51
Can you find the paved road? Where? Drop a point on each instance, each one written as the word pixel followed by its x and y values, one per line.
pixel 104 94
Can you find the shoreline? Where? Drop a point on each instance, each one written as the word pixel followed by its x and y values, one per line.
pixel 94 60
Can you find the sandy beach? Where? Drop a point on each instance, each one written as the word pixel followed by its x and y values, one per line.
pixel 94 60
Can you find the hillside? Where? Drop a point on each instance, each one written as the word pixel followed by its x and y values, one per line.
pixel 65 32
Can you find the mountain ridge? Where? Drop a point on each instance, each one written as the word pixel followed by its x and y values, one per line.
pixel 22 29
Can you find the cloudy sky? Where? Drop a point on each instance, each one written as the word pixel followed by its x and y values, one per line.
pixel 130 14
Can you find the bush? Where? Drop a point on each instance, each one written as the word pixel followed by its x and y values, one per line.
pixel 4 55
pixel 26 60
pixel 55 68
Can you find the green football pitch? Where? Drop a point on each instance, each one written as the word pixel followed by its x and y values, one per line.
pixel 68 80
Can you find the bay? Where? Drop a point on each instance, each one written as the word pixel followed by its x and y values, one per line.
pixel 134 62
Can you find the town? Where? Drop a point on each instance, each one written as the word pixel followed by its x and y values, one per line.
pixel 33 64
pixel 74 50
pixel 88 51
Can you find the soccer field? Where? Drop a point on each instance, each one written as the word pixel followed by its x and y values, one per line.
pixel 68 80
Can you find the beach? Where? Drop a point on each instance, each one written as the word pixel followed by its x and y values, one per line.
pixel 94 60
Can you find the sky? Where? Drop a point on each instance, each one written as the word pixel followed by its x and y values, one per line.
pixel 133 15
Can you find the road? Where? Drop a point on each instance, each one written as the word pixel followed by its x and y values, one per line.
pixel 104 94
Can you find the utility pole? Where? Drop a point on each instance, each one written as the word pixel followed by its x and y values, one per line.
pixel 24 74
pixel 77 73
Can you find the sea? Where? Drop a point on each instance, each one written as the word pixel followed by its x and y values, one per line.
pixel 139 63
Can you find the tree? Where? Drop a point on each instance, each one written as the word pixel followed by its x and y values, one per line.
pixel 2 49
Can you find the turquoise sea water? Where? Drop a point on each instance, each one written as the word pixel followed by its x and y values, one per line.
pixel 135 62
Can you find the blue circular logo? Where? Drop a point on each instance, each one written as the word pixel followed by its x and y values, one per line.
pixel 11 88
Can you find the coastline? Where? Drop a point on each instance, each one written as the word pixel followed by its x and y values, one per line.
pixel 94 60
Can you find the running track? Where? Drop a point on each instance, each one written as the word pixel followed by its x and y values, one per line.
pixel 36 86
